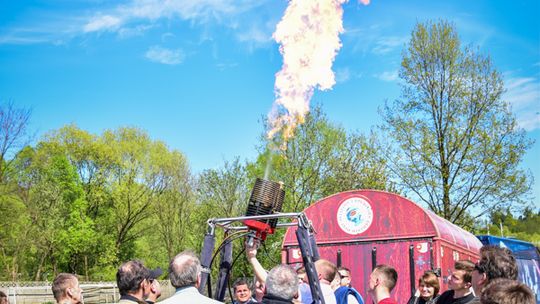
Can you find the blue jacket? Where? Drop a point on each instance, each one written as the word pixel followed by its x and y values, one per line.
pixel 343 292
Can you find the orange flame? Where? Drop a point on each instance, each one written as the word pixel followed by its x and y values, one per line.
pixel 309 37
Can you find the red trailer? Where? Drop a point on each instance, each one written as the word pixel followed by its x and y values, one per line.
pixel 363 228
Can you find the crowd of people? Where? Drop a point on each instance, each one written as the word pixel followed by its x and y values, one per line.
pixel 492 280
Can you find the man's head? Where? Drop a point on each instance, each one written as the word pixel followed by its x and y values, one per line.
pixel 302 275
pixel 495 262
pixel 133 278
pixel 66 289
pixel 242 290
pixel 185 270
pixel 326 270
pixel 383 277
pixel 345 275
pixel 507 291
pixel 282 282
pixel 460 280
pixel 3 298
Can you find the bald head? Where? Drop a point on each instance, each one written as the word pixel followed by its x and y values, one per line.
pixel 184 269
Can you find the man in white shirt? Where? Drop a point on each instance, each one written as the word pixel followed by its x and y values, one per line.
pixel 327 272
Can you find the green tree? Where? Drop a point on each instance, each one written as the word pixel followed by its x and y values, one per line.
pixel 222 193
pixel 56 206
pixel 175 206
pixel 142 172
pixel 13 137
pixel 456 144
pixel 15 237
pixel 13 233
pixel 93 161
pixel 503 222
pixel 137 194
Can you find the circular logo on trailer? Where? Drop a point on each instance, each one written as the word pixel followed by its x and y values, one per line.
pixel 355 215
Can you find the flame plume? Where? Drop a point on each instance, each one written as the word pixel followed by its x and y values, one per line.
pixel 308 35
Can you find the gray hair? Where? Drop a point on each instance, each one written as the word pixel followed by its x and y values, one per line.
pixel 282 281
pixel 184 269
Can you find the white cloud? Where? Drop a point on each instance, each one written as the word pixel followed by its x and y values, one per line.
pixel 14 39
pixel 344 74
pixel 163 55
pixel 255 35
pixel 200 11
pixel 139 30
pixel 385 45
pixel 135 17
pixel 523 93
pixel 102 23
pixel 56 30
pixel 388 76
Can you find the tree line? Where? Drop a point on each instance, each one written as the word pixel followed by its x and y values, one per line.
pixel 78 202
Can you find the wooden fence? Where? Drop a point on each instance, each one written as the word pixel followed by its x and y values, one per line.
pixel 93 292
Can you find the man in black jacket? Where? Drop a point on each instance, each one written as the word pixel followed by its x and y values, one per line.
pixel 459 284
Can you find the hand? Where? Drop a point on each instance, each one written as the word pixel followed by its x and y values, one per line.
pixel 251 251
pixel 259 291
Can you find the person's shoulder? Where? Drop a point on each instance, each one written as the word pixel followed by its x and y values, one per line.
pixel 387 301
pixel 449 294
pixel 189 297
pixel 470 299
pixel 206 300
pixel 412 300
pixel 351 299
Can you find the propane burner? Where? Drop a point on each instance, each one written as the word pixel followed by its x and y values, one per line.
pixel 266 198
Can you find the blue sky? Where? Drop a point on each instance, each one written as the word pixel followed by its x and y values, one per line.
pixel 199 74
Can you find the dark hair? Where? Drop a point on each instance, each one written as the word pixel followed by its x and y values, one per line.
pixel 430 279
pixel 497 262
pixel 2 294
pixel 466 266
pixel 390 275
pixel 3 297
pixel 507 291
pixel 241 281
pixel 130 276
pixel 62 282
